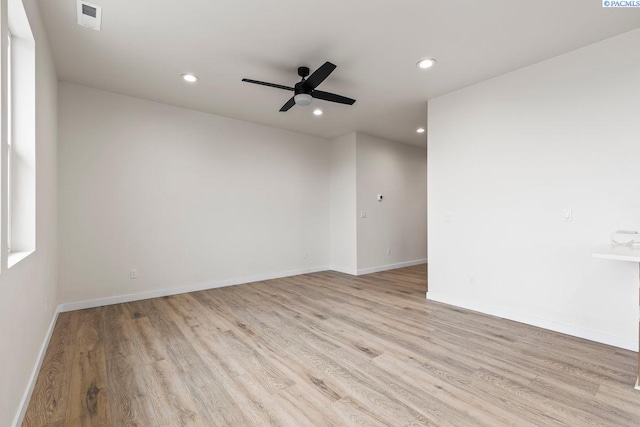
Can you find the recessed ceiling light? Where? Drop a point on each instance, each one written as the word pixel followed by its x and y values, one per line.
pixel 420 130
pixel 191 78
pixel 317 112
pixel 426 63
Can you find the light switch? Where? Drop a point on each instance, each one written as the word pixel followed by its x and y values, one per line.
pixel 363 214
pixel 567 215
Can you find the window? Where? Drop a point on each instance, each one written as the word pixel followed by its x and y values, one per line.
pixel 20 172
pixel 9 137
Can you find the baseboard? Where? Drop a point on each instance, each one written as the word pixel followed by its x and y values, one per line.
pixel 390 266
pixel 24 403
pixel 552 325
pixel 99 302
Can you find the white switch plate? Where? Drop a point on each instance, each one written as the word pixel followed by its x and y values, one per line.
pixel 567 215
pixel 133 273
pixel 363 214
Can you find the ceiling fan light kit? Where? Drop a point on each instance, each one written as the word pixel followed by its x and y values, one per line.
pixel 305 90
pixel 303 99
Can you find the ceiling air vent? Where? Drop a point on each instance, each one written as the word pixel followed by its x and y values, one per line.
pixel 89 15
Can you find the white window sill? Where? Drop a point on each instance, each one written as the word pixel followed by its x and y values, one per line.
pixel 16 257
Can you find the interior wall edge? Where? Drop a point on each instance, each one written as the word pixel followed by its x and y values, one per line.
pixel 508 157
pixel 344 270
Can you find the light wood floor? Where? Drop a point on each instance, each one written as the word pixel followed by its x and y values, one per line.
pixel 323 349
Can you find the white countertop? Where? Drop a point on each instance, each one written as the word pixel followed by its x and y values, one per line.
pixel 618 253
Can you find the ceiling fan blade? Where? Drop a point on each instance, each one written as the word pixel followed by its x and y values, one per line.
pixel 290 103
pixel 319 75
pixel 332 97
pixel 267 84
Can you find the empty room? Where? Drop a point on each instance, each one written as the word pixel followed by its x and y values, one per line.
pixel 336 213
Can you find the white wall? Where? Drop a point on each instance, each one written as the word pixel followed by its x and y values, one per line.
pixel 506 157
pixel 186 198
pixel 28 289
pixel 399 223
pixel 343 204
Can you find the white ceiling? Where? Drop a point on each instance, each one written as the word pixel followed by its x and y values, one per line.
pixel 145 45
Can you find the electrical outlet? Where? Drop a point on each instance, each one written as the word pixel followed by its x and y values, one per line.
pixel 388 251
pixel 304 255
pixel 472 280
pixel 133 273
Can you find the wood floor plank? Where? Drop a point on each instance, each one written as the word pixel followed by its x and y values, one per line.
pixel 599 412
pixel 88 393
pixel 300 400
pixel 128 398
pixel 325 349
pixel 206 375
pixel 50 396
pixel 449 391
pixel 170 397
pixel 353 414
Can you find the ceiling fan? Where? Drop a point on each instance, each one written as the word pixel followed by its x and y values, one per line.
pixel 305 90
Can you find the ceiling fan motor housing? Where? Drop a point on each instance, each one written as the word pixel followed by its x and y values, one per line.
pixel 303 71
pixel 300 87
pixel 302 92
